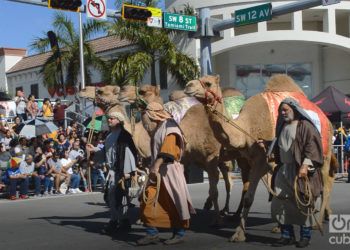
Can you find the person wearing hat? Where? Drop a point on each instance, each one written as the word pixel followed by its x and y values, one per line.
pixel 14 177
pixel 166 202
pixel 121 157
pixel 298 154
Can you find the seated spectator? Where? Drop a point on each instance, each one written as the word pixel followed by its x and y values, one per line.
pixel 73 127
pixel 58 171
pixel 14 177
pixel 5 157
pixel 98 167
pixel 68 164
pixel 16 125
pixel 43 173
pixel 26 168
pixel 21 149
pixel 76 151
pixel 62 144
pixel 7 139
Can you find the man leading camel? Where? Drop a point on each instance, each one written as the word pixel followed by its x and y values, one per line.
pixel 166 202
pixel 298 154
pixel 120 155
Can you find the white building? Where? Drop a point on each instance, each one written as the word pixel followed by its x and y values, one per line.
pixel 312 45
pixel 18 71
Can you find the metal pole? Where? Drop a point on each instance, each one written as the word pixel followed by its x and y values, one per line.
pixel 341 148
pixel 82 68
pixel 205 43
pixel 110 12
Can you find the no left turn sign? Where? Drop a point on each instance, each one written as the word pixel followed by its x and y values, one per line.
pixel 96 9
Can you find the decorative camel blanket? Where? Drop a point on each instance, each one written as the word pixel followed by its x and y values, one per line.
pixel 178 108
pixel 320 120
pixel 233 105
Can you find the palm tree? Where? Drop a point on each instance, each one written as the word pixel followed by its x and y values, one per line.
pixel 68 41
pixel 153 45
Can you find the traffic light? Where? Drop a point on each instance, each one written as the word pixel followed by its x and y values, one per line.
pixel 71 5
pixel 135 12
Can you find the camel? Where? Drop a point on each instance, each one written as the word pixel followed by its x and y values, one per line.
pixel 256 122
pixel 202 148
pixel 107 99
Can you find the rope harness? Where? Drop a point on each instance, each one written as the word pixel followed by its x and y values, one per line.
pixel 303 202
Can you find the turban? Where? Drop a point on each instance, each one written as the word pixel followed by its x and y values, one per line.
pixel 117 115
pixel 156 112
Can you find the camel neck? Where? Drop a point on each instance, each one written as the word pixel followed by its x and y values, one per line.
pixel 225 133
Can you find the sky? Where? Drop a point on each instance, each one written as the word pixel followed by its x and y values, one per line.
pixel 21 23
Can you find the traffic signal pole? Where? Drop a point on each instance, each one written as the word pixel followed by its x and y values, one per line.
pixel 43 3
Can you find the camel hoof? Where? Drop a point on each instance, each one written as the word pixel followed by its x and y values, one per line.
pixel 276 230
pixel 238 236
pixel 208 205
pixel 224 212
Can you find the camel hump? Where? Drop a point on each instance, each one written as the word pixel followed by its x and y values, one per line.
pixel 282 82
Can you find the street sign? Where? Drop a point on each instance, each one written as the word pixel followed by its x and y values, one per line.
pixel 156 19
pixel 329 2
pixel 180 22
pixel 254 14
pixel 96 9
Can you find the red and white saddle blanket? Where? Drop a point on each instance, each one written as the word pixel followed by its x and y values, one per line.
pixel 321 121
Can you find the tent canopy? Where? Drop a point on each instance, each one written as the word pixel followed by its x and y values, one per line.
pixel 334 104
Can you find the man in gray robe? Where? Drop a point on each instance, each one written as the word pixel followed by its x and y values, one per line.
pixel 298 153
pixel 120 157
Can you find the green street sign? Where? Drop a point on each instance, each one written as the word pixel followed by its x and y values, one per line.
pixel 179 22
pixel 254 14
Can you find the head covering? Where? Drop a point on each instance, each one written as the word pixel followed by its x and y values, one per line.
pixel 296 108
pixel 156 112
pixel 118 115
pixel 15 161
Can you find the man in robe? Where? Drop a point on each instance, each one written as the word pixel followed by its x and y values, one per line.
pixel 166 203
pixel 298 154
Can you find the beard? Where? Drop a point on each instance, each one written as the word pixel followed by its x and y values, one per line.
pixel 149 125
pixel 288 118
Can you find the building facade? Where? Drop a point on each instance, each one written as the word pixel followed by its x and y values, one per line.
pixel 312 46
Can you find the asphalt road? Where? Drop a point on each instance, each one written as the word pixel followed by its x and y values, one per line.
pixel 75 222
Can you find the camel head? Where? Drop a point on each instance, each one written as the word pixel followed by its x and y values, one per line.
pixel 88 92
pixel 146 94
pixel 176 95
pixel 105 96
pixel 206 89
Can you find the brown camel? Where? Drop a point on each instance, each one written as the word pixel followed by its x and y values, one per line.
pixel 107 99
pixel 202 148
pixel 256 122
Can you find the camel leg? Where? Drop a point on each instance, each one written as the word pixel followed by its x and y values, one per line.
pixel 224 169
pixel 213 176
pixel 244 166
pixel 257 171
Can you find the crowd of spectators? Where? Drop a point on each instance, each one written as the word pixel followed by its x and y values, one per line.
pixel 49 164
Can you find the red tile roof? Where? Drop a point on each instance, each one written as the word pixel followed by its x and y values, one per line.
pixel 99 45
